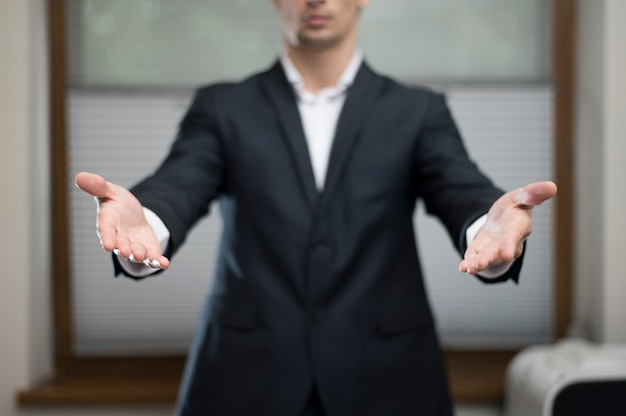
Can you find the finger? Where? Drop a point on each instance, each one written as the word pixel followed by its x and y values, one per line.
pixel 535 193
pixel 107 232
pixel 138 251
pixel 480 258
pixel 513 240
pixel 163 262
pixel 93 184
pixel 463 267
pixel 150 257
pixel 473 262
pixel 466 267
pixel 483 261
pixel 508 250
pixel 468 258
pixel 473 265
pixel 157 260
pixel 123 246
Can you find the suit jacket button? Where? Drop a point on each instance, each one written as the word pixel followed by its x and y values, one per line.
pixel 317 315
pixel 320 248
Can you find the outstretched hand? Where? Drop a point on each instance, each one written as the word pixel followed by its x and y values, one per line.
pixel 121 223
pixel 508 225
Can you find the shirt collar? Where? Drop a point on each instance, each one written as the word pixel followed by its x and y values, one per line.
pixel 345 80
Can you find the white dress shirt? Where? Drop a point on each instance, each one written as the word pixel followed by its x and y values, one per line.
pixel 319 114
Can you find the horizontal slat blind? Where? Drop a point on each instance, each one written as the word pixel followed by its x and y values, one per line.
pixel 124 135
pixel 508 131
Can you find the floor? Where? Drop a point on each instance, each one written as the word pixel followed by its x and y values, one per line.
pixel 478 410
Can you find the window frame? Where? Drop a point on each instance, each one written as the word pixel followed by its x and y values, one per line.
pixel 155 380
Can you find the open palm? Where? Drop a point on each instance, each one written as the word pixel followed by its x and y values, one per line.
pixel 509 223
pixel 121 223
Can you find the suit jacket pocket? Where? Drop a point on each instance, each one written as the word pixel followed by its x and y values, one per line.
pixel 403 315
pixel 236 313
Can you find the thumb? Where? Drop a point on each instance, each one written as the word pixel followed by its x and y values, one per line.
pixel 535 193
pixel 93 184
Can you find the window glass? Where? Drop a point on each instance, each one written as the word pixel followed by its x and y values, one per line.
pixel 184 43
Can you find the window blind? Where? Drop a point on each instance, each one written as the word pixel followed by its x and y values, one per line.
pixel 508 131
pixel 124 135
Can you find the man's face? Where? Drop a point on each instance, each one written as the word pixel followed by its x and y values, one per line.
pixel 318 22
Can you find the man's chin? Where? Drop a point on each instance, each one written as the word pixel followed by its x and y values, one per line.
pixel 318 40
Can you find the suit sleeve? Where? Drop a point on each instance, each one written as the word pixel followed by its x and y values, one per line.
pixel 192 175
pixel 451 185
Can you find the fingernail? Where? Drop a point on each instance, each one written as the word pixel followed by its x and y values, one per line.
pixel 153 264
pixel 522 198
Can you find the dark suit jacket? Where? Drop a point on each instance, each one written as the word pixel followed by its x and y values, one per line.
pixel 313 288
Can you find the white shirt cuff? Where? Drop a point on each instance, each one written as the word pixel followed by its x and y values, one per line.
pixel 493 271
pixel 163 235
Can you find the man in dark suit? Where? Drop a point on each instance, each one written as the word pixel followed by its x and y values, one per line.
pixel 318 305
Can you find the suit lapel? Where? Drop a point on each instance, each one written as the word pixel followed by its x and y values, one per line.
pixel 283 99
pixel 359 102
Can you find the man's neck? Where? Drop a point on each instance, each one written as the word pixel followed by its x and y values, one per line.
pixel 320 67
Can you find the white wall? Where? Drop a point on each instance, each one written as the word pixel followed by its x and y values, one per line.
pixel 615 173
pixel 600 163
pixel 14 176
pixel 25 324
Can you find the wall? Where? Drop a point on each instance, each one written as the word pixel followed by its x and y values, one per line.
pixel 600 170
pixel 25 325
pixel 614 310
pixel 14 177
